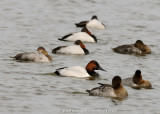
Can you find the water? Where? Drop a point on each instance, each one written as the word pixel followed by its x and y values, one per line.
pixel 31 87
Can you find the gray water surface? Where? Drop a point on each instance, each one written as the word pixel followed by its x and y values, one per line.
pixel 31 87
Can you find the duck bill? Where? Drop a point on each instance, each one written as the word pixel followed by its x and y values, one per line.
pixel 100 68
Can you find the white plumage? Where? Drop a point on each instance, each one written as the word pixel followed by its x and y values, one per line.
pixel 34 56
pixel 74 49
pixel 84 37
pixel 95 24
pixel 74 71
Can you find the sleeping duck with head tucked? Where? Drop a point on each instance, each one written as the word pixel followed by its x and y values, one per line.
pixel 137 81
pixel 79 49
pixel 41 55
pixel 106 90
pixel 94 23
pixel 138 48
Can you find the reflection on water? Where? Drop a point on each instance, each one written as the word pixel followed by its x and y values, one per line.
pixel 33 87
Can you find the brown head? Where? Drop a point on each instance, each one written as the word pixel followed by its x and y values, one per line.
pixel 144 48
pixel 42 50
pixel 78 42
pixel 119 90
pixel 137 78
pixel 86 31
pixel 140 45
pixel 93 65
pixel 116 82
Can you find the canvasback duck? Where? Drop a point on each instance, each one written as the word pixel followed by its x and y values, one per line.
pixel 136 81
pixel 138 48
pixel 94 23
pixel 85 36
pixel 41 55
pixel 79 71
pixel 106 90
pixel 78 48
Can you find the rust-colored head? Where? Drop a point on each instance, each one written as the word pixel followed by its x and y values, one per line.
pixel 93 65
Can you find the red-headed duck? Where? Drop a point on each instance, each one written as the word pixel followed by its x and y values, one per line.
pixel 79 71
pixel 79 48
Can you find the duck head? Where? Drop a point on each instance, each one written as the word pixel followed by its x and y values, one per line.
pixel 116 82
pixel 140 45
pixel 93 65
pixel 119 90
pixel 42 50
pixel 94 17
pixel 137 78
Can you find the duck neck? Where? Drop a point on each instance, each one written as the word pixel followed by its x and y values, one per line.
pixel 84 48
pixel 137 79
pixel 82 45
pixel 91 71
pixel 120 91
pixel 117 86
pixel 49 57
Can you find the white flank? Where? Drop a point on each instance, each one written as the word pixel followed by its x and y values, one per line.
pixel 75 71
pixel 75 49
pixel 84 37
pixel 35 56
pixel 95 24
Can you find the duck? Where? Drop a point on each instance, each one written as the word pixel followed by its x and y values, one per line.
pixel 137 81
pixel 79 71
pixel 107 90
pixel 79 48
pixel 41 55
pixel 94 23
pixel 138 48
pixel 85 36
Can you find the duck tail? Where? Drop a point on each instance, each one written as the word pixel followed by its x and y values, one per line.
pixel 114 49
pixel 64 37
pixel 56 72
pixel 88 91
pixel 55 49
pixel 60 39
pixel 101 84
pixel 77 25
pixel 11 57
pixel 80 24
